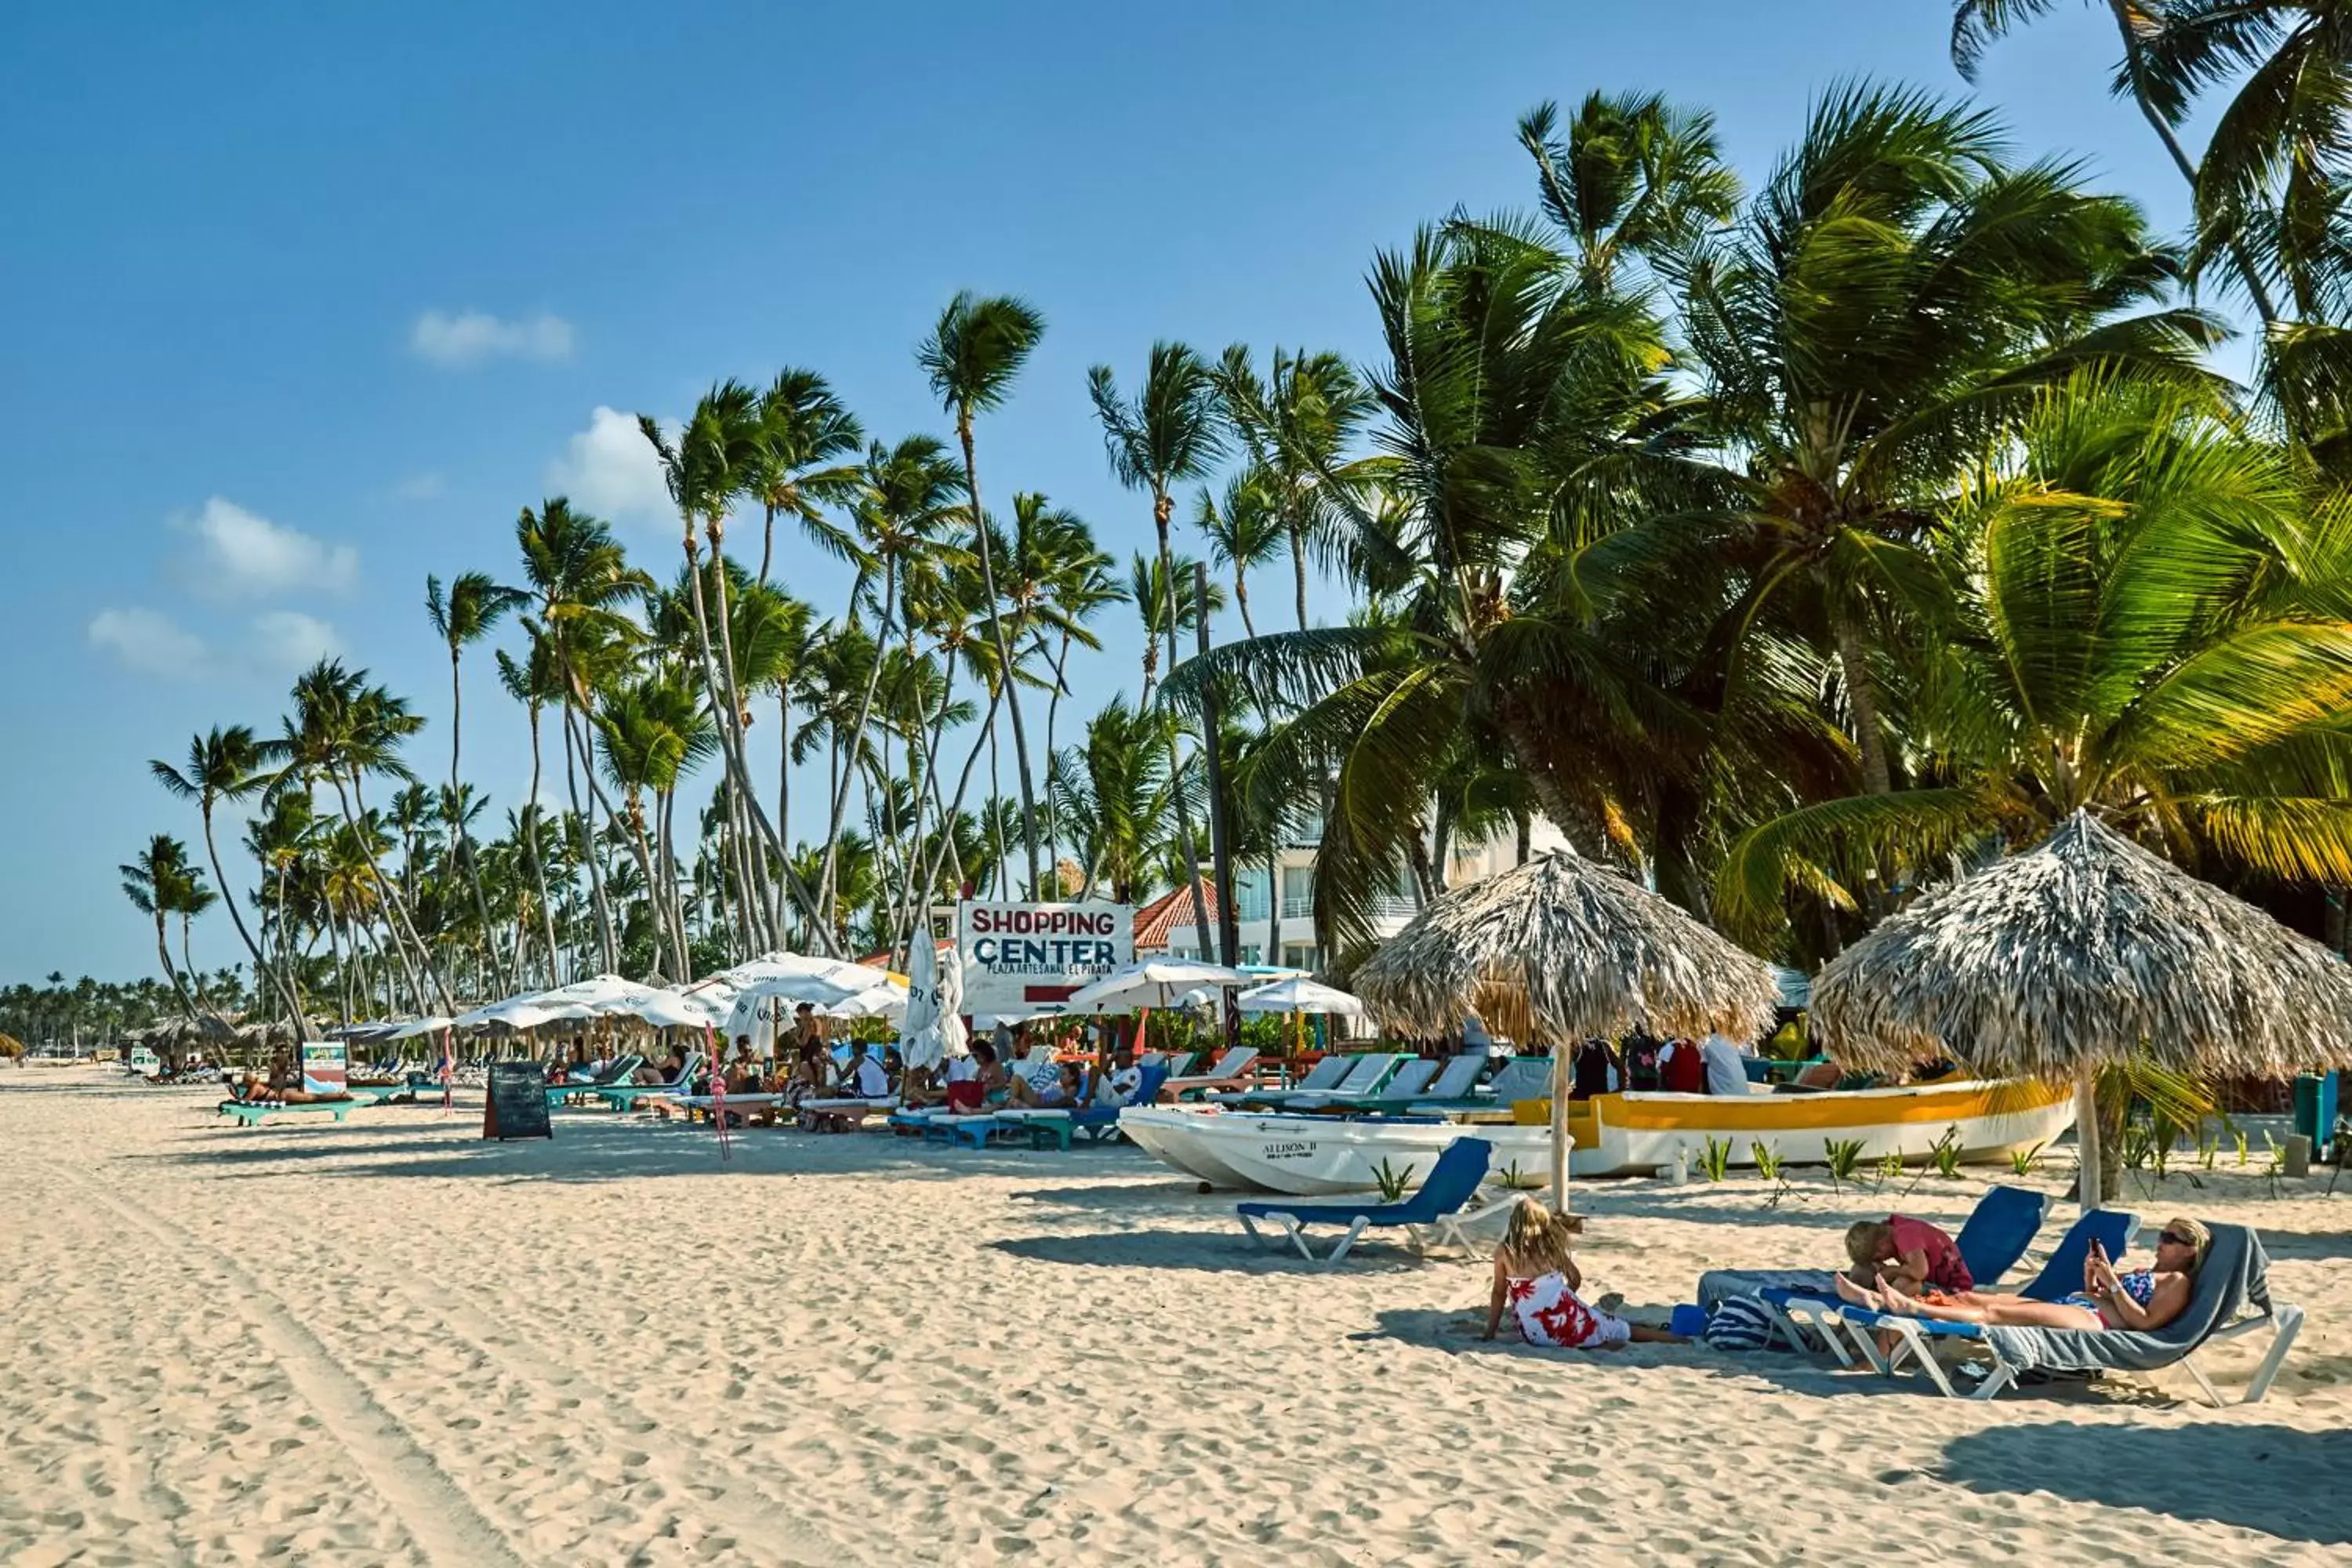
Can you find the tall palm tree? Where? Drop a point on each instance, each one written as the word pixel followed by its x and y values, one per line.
pixel 472 610
pixel 1244 528
pixel 1297 423
pixel 971 357
pixel 2151 621
pixel 1892 297
pixel 228 764
pixel 797 467
pixel 1634 177
pixel 1116 792
pixel 1155 593
pixel 531 682
pixel 160 883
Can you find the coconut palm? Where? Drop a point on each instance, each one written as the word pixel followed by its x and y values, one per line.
pixel 160 883
pixel 796 468
pixel 2151 624
pixel 1244 528
pixel 1634 177
pixel 1155 593
pixel 1298 423
pixel 971 356
pixel 1116 793
pixel 228 764
pixel 470 611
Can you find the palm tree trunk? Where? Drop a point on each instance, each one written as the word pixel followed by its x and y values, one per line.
pixel 1241 599
pixel 396 910
pixel 163 951
pixel 1862 695
pixel 1052 813
pixel 228 898
pixel 1298 566
pixel 608 949
pixel 2136 65
pixel 1006 668
pixel 459 841
pixel 1163 507
pixel 538 866
pixel 1274 901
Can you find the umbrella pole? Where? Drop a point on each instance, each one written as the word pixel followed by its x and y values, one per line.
pixel 2086 1139
pixel 1560 1128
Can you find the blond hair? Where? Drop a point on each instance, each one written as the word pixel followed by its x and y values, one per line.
pixel 1539 1241
pixel 1869 1243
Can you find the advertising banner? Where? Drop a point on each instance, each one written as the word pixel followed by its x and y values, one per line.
pixel 325 1066
pixel 1019 957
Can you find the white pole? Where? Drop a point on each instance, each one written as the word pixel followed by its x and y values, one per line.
pixel 2086 1137
pixel 1560 1125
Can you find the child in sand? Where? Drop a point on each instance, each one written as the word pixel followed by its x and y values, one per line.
pixel 1537 1277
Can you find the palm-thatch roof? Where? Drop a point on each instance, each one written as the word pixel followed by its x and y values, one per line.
pixel 2086 951
pixel 10 1046
pixel 1563 950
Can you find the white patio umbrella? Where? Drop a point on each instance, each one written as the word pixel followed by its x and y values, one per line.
pixel 1152 983
pixel 1301 995
pixel 421 1027
pixel 669 1010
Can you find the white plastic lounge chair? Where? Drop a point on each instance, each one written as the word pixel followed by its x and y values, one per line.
pixel 1230 1070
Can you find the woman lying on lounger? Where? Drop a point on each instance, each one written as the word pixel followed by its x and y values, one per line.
pixel 1537 1277
pixel 1059 1094
pixel 2138 1298
pixel 284 1088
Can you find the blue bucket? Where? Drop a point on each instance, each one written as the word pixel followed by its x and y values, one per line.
pixel 1688 1321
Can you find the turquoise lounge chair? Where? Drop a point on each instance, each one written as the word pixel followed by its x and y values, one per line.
pixel 624 1096
pixel 1325 1074
pixel 1436 1090
pixel 1437 1206
pixel 1365 1075
pixel 249 1112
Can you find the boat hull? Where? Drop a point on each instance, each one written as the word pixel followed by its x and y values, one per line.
pixel 1614 1134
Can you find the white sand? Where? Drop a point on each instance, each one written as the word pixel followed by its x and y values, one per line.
pixel 390 1341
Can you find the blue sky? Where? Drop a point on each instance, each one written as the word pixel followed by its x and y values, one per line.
pixel 303 302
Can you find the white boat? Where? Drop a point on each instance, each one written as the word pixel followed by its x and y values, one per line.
pixel 1614 1134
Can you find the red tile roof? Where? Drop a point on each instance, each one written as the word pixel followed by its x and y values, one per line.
pixel 1172 910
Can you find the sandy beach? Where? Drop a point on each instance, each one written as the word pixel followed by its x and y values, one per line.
pixel 389 1341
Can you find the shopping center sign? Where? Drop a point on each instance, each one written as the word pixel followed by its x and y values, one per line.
pixel 1019 957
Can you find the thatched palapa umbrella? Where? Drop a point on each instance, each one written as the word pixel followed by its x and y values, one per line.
pixel 1560 951
pixel 2083 953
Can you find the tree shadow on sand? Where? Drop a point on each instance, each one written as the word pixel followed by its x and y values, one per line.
pixel 1202 1251
pixel 2272 1480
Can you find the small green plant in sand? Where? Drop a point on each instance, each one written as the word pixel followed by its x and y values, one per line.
pixel 1518 1179
pixel 1391 1181
pixel 2022 1161
pixel 1890 1168
pixel 1714 1159
pixel 2139 1145
pixel 1768 1159
pixel 1946 1153
pixel 1842 1155
pixel 2209 1146
pixel 2241 1139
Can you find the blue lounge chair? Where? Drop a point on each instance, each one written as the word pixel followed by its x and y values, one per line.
pixel 617 1070
pixel 1997 1231
pixel 2061 1276
pixel 1096 1123
pixel 624 1096
pixel 1437 1206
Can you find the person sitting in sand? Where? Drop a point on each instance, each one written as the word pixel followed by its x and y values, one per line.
pixel 1903 1248
pixel 2138 1298
pixel 1536 1278
pixel 1059 1093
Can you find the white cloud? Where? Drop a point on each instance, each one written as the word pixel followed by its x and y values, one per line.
pixel 241 555
pixel 429 485
pixel 288 640
pixel 150 642
pixel 610 469
pixel 456 341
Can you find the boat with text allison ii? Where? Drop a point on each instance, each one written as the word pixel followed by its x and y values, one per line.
pixel 1615 1134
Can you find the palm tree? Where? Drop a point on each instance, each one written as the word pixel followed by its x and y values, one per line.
pixel 1116 791
pixel 971 357
pixel 1893 296
pixel 1155 592
pixel 1244 528
pixel 160 883
pixel 1634 177
pixel 2151 621
pixel 531 682
pixel 796 468
pixel 226 764
pixel 473 607
pixel 1297 425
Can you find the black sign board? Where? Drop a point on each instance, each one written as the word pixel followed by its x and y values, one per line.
pixel 515 1104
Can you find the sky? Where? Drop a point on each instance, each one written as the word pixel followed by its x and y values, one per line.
pixel 300 303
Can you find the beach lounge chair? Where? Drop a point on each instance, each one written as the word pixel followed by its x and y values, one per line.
pixel 1325 1074
pixel 1436 1089
pixel 1436 1207
pixel 2061 1275
pixel 624 1096
pixel 249 1112
pixel 1521 1077
pixel 1992 1240
pixel 1408 1079
pixel 1055 1127
pixel 617 1070
pixel 1364 1076
pixel 1230 1070
pixel 2232 1297
pixel 1171 1063
pixel 841 1113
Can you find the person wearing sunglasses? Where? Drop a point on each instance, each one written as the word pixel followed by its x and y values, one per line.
pixel 2137 1298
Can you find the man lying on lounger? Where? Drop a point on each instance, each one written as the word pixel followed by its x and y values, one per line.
pixel 2139 1298
pixel 284 1088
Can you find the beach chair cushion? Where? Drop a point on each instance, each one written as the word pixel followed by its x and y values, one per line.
pixel 2236 1274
